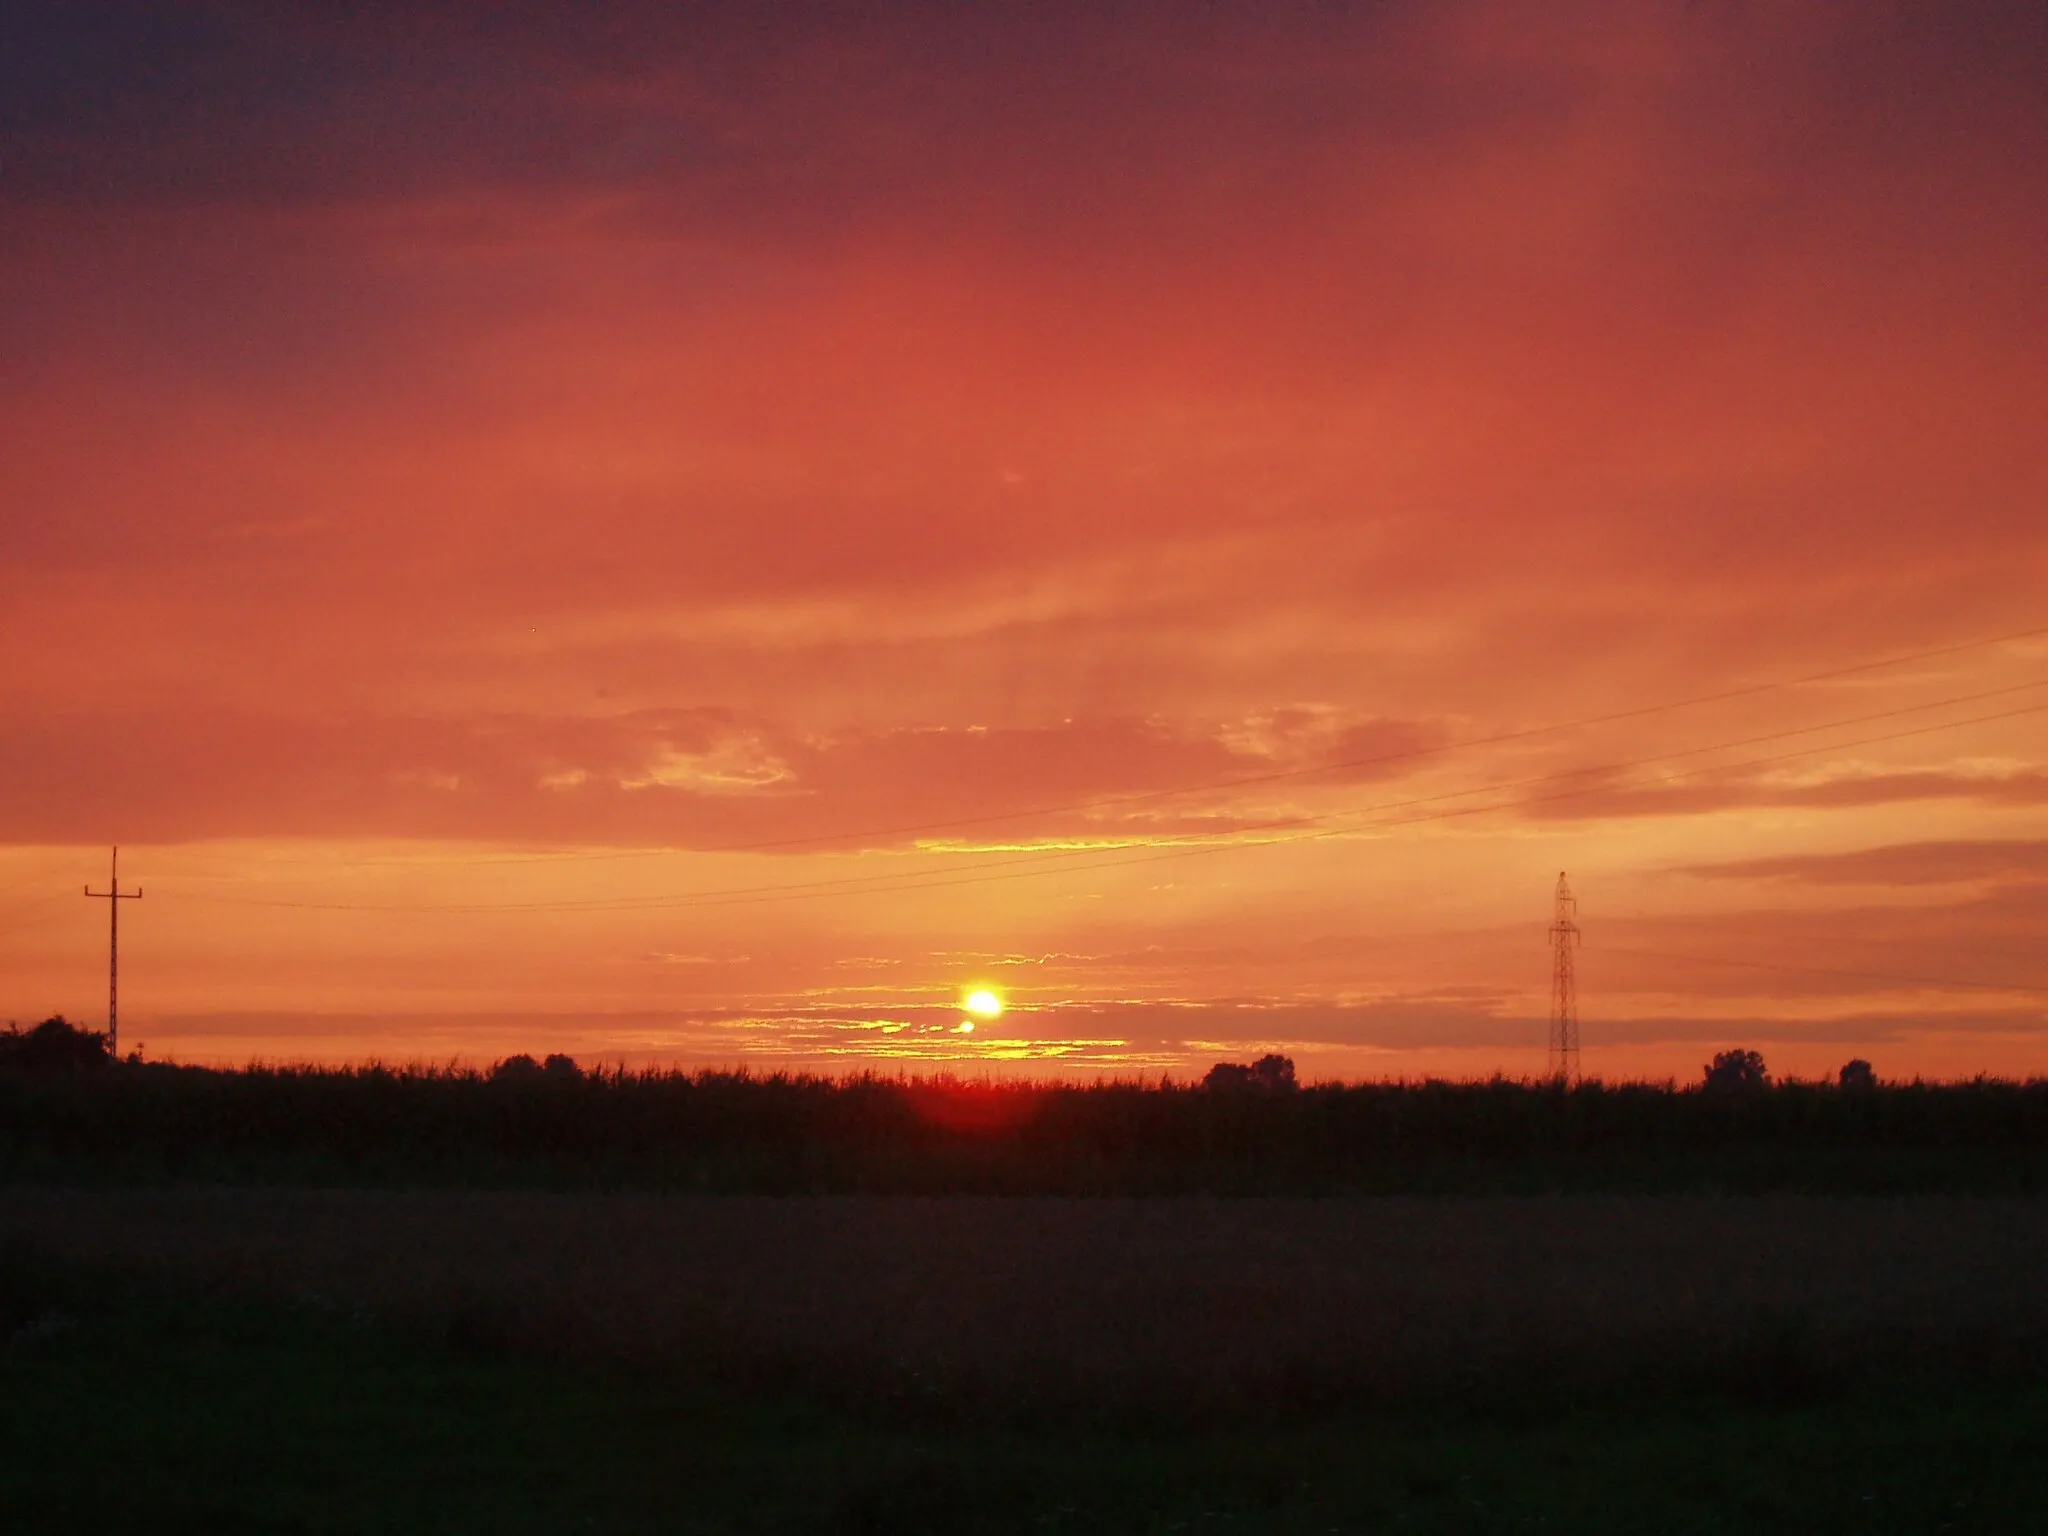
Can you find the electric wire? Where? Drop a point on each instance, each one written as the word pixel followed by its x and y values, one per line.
pixel 50 913
pixel 1245 781
pixel 890 883
pixel 1830 970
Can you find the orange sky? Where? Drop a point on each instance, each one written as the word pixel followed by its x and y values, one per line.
pixel 691 536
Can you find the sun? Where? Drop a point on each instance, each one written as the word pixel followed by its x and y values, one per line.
pixel 983 1004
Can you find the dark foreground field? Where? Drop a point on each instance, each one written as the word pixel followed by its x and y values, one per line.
pixel 436 1301
pixel 1199 1310
pixel 134 1401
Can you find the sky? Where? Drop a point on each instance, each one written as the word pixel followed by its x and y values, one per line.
pixel 701 534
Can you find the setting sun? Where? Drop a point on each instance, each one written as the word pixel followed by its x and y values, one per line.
pixel 984 1005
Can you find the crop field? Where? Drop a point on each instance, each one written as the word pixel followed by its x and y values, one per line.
pixel 1208 1309
pixel 132 1403
pixel 732 1133
pixel 429 1299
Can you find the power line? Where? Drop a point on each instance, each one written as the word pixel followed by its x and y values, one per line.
pixel 1040 863
pixel 1407 755
pixel 1447 815
pixel 942 878
pixel 1829 970
pixel 1746 741
pixel 1948 942
pixel 51 911
pixel 37 878
pixel 1246 781
pixel 1753 762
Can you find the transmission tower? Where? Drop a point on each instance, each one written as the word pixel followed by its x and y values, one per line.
pixel 113 896
pixel 1564 987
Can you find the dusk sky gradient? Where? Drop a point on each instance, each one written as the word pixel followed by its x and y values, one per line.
pixel 701 533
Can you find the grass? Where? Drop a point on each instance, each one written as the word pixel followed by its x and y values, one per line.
pixel 149 1406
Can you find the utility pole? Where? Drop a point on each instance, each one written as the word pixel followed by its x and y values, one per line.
pixel 113 896
pixel 1564 987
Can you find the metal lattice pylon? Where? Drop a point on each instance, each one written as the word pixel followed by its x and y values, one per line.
pixel 1564 987
pixel 113 896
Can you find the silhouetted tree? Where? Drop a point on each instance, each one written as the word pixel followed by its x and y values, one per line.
pixel 53 1046
pixel 1274 1074
pixel 524 1069
pixel 1857 1074
pixel 1738 1072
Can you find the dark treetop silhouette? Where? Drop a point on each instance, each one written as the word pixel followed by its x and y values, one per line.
pixel 53 1045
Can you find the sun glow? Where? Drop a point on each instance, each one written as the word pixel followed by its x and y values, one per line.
pixel 983 1005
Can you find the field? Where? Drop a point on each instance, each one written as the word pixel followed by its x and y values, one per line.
pixel 337 1361
pixel 1198 1310
pixel 380 1301
pixel 149 1407
pixel 738 1134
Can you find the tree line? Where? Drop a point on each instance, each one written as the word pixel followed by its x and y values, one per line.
pixel 1251 1129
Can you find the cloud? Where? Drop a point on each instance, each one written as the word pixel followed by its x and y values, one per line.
pixel 677 426
pixel 1899 864
pixel 661 778
pixel 1942 948
pixel 1374 1041
pixel 2024 787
